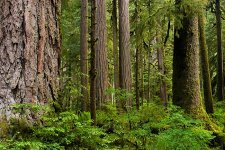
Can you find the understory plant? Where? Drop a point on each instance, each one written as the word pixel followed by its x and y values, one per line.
pixel 153 127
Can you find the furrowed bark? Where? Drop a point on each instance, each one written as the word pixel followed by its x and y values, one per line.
pixel 29 52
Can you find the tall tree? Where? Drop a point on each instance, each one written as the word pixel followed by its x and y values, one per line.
pixel 186 85
pixel 101 54
pixel 137 55
pixel 220 84
pixel 115 45
pixel 208 99
pixel 93 62
pixel 161 69
pixel 29 52
pixel 84 54
pixel 124 51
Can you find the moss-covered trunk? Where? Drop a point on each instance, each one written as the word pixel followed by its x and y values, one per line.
pixel 186 85
pixel 205 66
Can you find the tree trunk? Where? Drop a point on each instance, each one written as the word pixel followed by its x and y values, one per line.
pixel 137 56
pixel 29 52
pixel 84 54
pixel 149 55
pixel 93 62
pixel 205 66
pixel 220 84
pixel 149 74
pixel 161 69
pixel 101 54
pixel 186 84
pixel 124 51
pixel 115 45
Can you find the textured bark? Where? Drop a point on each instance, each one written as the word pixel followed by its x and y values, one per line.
pixel 115 45
pixel 220 84
pixel 101 54
pixel 186 84
pixel 29 52
pixel 84 55
pixel 124 50
pixel 205 66
pixel 93 63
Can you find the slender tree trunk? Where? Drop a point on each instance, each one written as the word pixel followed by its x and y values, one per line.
pixel 142 70
pixel 84 54
pixel 93 62
pixel 115 45
pixel 101 54
pixel 220 84
pixel 149 74
pixel 186 84
pixel 149 55
pixel 29 52
pixel 137 57
pixel 205 66
pixel 161 69
pixel 124 51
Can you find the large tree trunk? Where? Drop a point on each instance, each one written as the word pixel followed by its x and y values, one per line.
pixel 101 54
pixel 205 66
pixel 84 54
pixel 186 85
pixel 29 52
pixel 220 84
pixel 124 51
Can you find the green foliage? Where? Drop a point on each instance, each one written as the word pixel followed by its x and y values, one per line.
pixel 219 113
pixel 182 132
pixel 153 128
pixel 182 139
pixel 65 130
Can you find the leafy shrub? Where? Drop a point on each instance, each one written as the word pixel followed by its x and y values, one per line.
pixel 152 127
pixel 65 130
pixel 181 132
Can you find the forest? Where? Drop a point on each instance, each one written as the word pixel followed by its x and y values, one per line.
pixel 112 74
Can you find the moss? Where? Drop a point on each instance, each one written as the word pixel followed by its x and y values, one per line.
pixel 205 66
pixel 20 126
pixel 4 127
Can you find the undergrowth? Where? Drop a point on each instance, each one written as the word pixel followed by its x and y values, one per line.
pixel 151 128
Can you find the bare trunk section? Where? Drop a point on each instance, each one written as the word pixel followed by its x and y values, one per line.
pixel 149 74
pixel 101 54
pixel 29 52
pixel 205 66
pixel 149 56
pixel 115 45
pixel 124 51
pixel 220 84
pixel 137 57
pixel 84 55
pixel 93 63
pixel 161 69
